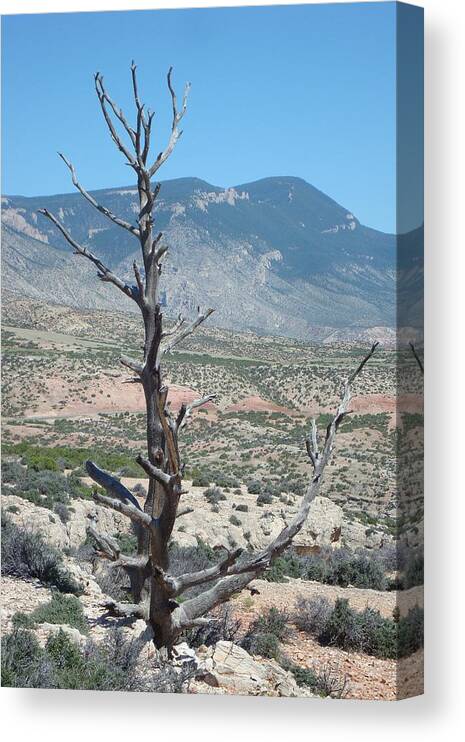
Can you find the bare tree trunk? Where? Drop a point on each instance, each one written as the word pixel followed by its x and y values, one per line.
pixel 154 590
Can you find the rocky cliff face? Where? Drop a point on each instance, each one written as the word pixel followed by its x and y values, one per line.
pixel 276 256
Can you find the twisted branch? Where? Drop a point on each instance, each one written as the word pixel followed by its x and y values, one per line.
pixel 102 209
pixel 183 334
pixel 175 132
pixel 186 410
pixel 104 273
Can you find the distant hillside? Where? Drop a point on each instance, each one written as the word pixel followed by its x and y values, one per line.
pixel 275 256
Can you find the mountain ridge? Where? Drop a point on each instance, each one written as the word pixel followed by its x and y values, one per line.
pixel 275 255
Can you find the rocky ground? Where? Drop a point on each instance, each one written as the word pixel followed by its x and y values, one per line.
pixel 63 387
pixel 228 668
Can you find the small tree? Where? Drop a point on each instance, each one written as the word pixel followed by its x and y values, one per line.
pixel 154 590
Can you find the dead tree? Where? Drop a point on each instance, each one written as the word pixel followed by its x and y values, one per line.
pixel 155 592
pixel 417 358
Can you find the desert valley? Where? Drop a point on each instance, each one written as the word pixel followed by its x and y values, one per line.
pixel 327 616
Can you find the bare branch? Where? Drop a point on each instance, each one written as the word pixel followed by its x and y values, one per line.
pixel 205 621
pixel 159 252
pixel 184 511
pixel 102 209
pixel 143 122
pixel 311 444
pixel 175 132
pixel 342 410
pixel 139 281
pixel 108 546
pixel 315 445
pixel 104 99
pixel 126 610
pixel 159 475
pixel 183 334
pixel 118 112
pixel 111 484
pixel 189 612
pixel 188 580
pixel 186 410
pixel 138 516
pixel 169 431
pixel 417 358
pixel 176 327
pixel 133 365
pixel 310 452
pixel 104 273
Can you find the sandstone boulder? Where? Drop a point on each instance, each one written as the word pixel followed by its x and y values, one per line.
pixel 228 666
pixel 323 526
pixel 33 517
pixel 356 535
pixel 64 535
pixel 46 630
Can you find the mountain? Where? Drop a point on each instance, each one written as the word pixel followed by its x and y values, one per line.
pixel 275 256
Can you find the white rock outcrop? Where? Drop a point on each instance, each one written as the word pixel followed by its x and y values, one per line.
pixel 228 666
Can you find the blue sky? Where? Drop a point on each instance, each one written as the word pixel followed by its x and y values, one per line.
pixel 293 90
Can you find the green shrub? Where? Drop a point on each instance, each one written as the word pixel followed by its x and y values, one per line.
pixel 200 480
pixel 344 628
pixel 264 499
pixel 283 567
pixel 414 571
pixel 312 615
pixel 224 627
pixel 61 609
pixel 46 487
pixel 225 480
pixel 23 663
pixel 64 652
pixel 332 567
pixel 22 621
pixel 242 507
pixel 26 554
pixel 12 472
pixel 12 509
pixel 304 676
pixel 62 511
pixel 127 543
pixel 325 682
pixel 411 632
pixel 263 644
pixel 264 635
pixel 367 631
pixel 111 665
pixel 234 520
pixel 57 458
pixel 214 495
pixel 273 621
pixel 41 461
pixel 340 567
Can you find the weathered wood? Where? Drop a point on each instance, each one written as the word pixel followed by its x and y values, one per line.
pixel 417 358
pixel 153 588
pixel 102 209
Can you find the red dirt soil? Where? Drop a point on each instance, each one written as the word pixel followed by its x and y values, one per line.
pixel 257 404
